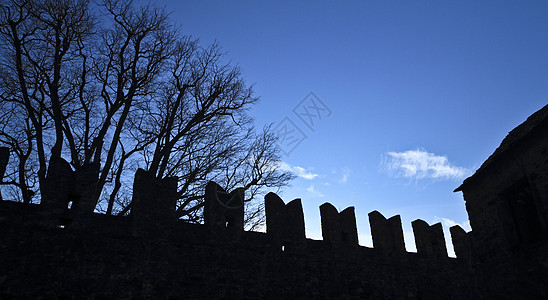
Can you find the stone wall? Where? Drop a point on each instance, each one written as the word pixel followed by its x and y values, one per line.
pixel 105 261
pixel 151 255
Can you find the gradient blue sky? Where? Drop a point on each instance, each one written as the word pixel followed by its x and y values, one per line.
pixel 420 93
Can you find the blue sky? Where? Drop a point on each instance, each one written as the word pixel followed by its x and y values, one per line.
pixel 419 93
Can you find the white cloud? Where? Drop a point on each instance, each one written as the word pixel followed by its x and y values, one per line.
pixel 420 164
pixel 299 171
pixel 450 223
pixel 345 173
pixel 314 192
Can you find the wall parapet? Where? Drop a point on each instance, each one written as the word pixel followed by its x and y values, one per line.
pixel 429 239
pixel 150 245
pixel 154 204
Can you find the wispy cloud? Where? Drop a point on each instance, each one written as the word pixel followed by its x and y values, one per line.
pixel 340 175
pixel 420 164
pixel 345 173
pixel 313 192
pixel 299 171
pixel 447 224
pixel 450 223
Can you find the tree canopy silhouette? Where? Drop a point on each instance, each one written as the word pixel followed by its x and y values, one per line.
pixel 118 85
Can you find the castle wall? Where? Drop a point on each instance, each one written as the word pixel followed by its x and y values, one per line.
pixel 151 255
pixel 193 262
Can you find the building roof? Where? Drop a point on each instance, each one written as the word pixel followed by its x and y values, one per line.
pixel 513 137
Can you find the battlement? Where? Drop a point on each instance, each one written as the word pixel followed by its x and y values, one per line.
pixel 153 214
pixel 64 237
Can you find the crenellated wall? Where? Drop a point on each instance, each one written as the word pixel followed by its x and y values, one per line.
pixel 49 251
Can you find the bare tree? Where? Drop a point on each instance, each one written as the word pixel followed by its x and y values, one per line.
pixel 117 85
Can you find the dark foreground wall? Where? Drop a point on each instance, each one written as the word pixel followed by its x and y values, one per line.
pixel 101 257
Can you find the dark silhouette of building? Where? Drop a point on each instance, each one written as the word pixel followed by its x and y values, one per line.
pixel 60 249
pixel 507 204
